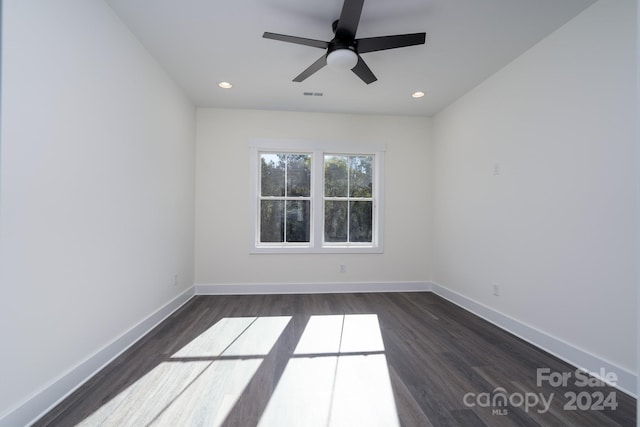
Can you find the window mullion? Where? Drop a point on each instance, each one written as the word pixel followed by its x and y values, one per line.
pixel 285 198
pixel 348 200
pixel 317 188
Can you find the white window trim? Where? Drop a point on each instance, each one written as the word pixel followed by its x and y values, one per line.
pixel 317 149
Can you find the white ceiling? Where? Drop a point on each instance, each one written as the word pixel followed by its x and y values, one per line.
pixel 203 42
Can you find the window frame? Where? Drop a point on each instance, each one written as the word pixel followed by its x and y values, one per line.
pixel 349 199
pixel 285 198
pixel 317 150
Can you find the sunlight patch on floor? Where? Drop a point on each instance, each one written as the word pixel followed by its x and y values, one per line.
pixel 259 338
pixel 216 339
pixel 337 376
pixel 321 335
pixel 211 397
pixel 361 333
pixel 200 383
pixel 363 395
pixel 143 400
pixel 303 395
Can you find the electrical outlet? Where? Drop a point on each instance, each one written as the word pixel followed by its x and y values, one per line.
pixel 343 268
pixel 496 289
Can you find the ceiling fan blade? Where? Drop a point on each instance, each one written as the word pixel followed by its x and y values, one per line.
pixel 321 62
pixel 349 19
pixel 364 72
pixel 374 44
pixel 297 40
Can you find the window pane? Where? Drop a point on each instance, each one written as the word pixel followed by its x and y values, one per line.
pixel 335 221
pixel 272 174
pixel 335 176
pixel 272 221
pixel 298 175
pixel 360 176
pixel 298 221
pixel 360 221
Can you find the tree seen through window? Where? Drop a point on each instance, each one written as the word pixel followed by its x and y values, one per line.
pixel 285 197
pixel 348 198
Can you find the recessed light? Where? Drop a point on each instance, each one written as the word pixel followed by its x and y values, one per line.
pixel 225 85
pixel 417 94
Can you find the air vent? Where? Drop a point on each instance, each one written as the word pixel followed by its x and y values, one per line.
pixel 313 94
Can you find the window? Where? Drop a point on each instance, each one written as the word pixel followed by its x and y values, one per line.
pixel 285 198
pixel 348 198
pixel 311 198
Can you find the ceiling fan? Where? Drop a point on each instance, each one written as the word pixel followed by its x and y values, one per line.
pixel 344 50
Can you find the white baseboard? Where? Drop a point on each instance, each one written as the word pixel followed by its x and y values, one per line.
pixel 40 403
pixel 309 288
pixel 584 360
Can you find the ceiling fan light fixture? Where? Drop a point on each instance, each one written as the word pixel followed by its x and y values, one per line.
pixel 342 59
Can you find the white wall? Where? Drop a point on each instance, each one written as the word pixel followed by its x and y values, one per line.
pixel 557 227
pixel 638 193
pixel 222 184
pixel 96 207
pixel 97 200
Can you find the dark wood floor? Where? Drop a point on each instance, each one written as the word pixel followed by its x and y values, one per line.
pixel 240 361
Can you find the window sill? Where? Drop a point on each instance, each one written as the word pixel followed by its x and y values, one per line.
pixel 270 250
